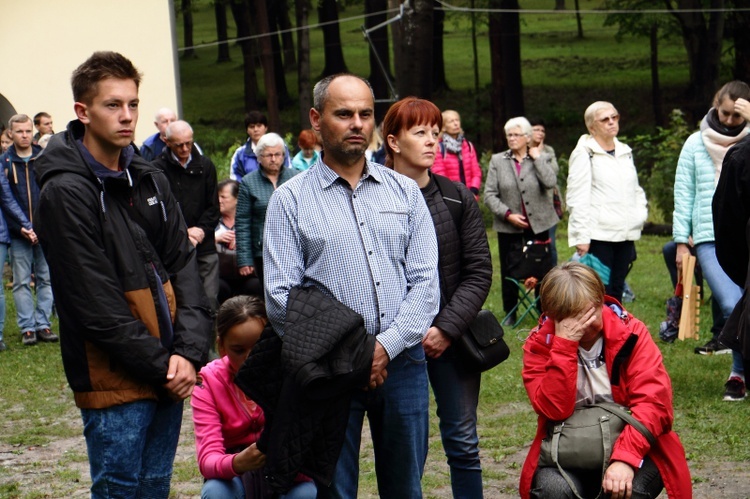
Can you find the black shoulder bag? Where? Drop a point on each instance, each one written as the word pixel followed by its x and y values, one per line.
pixel 481 347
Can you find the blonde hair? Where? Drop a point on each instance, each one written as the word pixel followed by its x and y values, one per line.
pixel 590 114
pixel 569 289
pixel 447 113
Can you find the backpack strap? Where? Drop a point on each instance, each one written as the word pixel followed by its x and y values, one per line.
pixel 452 198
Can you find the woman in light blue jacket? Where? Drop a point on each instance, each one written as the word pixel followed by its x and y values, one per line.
pixel 698 171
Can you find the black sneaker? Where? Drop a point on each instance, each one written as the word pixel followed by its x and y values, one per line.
pixel 3 346
pixel 713 347
pixel 734 389
pixel 46 335
pixel 28 338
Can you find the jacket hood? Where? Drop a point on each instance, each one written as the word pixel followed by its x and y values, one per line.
pixel 592 145
pixel 68 158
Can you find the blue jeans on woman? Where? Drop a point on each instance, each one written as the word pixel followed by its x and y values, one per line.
pixel 457 396
pixel 398 413
pixel 131 448
pixel 233 489
pixel 723 290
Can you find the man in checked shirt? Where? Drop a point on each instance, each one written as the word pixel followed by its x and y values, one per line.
pixel 362 234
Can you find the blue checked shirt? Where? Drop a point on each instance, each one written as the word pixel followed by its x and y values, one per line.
pixel 372 248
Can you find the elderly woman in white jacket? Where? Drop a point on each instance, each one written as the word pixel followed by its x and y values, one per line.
pixel 607 205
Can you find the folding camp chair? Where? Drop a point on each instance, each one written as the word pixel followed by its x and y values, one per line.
pixel 527 301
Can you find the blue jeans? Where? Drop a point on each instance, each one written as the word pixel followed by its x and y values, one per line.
pixel 22 256
pixel 216 488
pixel 457 395
pixel 398 414
pixel 3 257
pixel 723 290
pixel 131 448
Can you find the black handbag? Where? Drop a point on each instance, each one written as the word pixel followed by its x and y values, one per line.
pixel 533 259
pixel 482 347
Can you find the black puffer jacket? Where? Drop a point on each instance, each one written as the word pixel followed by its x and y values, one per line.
pixel 304 385
pixel 465 263
pixel 106 240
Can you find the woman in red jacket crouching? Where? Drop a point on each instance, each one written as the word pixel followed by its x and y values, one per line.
pixel 588 349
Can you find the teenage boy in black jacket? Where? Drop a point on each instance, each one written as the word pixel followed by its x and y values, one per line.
pixel 134 320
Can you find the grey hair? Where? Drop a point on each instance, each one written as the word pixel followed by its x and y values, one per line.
pixel 320 90
pixel 590 114
pixel 268 140
pixel 519 122
pixel 163 111
pixel 177 125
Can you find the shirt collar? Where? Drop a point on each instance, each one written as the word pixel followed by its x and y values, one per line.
pixel 177 160
pixel 327 177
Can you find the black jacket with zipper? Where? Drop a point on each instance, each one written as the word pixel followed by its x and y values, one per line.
pixel 105 240
pixel 194 188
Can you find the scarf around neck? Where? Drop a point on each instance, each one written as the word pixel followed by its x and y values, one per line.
pixel 718 138
pixel 453 145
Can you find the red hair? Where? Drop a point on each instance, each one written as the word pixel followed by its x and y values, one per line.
pixel 403 115
pixel 307 139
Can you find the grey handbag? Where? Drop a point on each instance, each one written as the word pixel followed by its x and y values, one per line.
pixel 585 439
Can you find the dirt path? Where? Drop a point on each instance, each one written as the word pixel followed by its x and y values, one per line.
pixel 60 469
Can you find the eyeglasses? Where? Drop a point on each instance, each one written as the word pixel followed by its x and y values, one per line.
pixel 514 135
pixel 188 144
pixel 270 155
pixel 614 119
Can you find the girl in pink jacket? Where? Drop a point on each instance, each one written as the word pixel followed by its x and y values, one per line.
pixel 227 423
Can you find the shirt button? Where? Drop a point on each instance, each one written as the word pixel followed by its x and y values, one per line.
pixel 382 315
pixel 377 284
pixel 361 224
pixel 354 196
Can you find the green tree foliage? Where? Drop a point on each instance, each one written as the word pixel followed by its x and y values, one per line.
pixel 656 157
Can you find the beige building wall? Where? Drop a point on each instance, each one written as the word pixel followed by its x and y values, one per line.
pixel 43 41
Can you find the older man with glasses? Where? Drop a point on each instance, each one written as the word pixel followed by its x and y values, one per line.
pixel 192 177
pixel 255 191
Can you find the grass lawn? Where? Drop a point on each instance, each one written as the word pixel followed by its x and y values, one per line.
pixel 38 415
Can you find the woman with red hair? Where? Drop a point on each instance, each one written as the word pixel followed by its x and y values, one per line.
pixel 411 129
pixel 307 154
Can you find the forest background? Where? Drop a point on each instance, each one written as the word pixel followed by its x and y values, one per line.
pixel 42 452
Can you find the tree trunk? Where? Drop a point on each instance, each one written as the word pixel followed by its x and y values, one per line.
pixel 302 10
pixel 579 22
pixel 741 35
pixel 220 12
pixel 273 7
pixel 187 19
pixel 416 50
pixel 334 54
pixel 287 39
pixel 396 34
pixel 439 82
pixel 703 45
pixel 241 13
pixel 510 38
pixel 655 86
pixel 266 60
pixel 379 48
pixel 497 82
pixel 559 4
pixel 475 53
